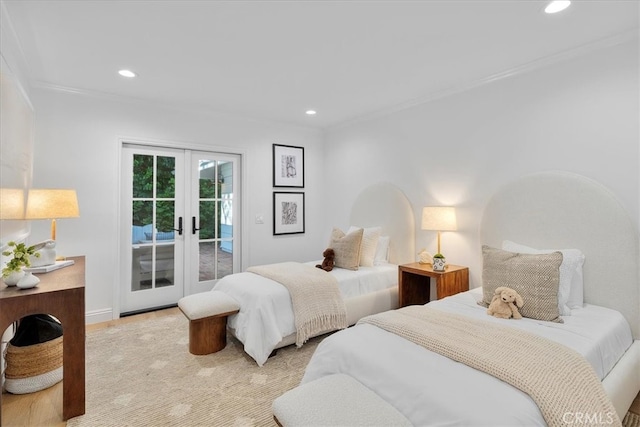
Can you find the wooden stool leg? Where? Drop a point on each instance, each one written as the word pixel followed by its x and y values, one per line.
pixel 207 335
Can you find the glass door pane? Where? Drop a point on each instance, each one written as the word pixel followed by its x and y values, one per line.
pixel 153 218
pixel 214 204
pixel 214 263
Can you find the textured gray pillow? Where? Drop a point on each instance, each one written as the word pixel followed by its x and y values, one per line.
pixel 347 248
pixel 535 277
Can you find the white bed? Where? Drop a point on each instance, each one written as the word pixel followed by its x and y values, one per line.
pixel 544 210
pixel 265 321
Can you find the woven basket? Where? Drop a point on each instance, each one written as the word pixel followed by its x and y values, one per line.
pixel 34 367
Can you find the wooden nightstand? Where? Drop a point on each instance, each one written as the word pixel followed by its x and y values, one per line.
pixel 414 282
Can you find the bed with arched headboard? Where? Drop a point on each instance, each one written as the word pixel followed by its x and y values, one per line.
pixel 265 322
pixel 543 210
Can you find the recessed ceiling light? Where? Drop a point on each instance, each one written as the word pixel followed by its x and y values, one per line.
pixel 127 73
pixel 557 6
pixel 310 112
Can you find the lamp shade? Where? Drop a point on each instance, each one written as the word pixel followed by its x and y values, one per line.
pixel 52 204
pixel 439 218
pixel 11 203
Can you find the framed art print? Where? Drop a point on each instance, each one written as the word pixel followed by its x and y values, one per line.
pixel 288 213
pixel 288 166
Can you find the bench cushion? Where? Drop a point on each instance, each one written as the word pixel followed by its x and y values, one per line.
pixel 335 400
pixel 208 304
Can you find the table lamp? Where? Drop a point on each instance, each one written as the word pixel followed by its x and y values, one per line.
pixel 51 204
pixel 439 218
pixel 11 203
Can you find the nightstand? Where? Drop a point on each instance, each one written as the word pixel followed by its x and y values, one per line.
pixel 414 281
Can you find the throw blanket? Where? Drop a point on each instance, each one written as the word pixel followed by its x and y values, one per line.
pixel 561 382
pixel 317 304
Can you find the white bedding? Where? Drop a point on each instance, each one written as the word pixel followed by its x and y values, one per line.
pixel 430 389
pixel 266 315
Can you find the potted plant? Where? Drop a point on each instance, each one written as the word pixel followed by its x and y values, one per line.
pixel 13 272
pixel 438 262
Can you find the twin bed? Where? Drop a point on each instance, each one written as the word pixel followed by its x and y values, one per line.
pixel 266 320
pixel 544 210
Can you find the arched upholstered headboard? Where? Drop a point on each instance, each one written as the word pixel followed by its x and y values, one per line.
pixel 387 206
pixel 564 210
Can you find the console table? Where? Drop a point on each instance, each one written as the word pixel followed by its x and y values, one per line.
pixel 60 293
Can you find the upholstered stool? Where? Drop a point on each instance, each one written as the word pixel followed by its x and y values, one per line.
pixel 335 400
pixel 207 313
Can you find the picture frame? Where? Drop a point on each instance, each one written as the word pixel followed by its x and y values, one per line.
pixel 288 213
pixel 288 166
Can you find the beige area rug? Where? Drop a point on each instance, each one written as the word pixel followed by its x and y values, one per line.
pixel 142 374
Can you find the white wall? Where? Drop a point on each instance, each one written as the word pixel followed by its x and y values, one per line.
pixel 580 115
pixel 76 145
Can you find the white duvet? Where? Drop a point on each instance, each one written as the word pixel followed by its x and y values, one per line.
pixel 430 389
pixel 266 315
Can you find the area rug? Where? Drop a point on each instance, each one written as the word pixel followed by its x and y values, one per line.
pixel 142 374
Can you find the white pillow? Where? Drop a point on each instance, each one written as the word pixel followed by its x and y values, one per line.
pixel 382 251
pixel 368 245
pixel 576 296
pixel 570 294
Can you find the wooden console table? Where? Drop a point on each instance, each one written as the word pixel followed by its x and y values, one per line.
pixel 61 294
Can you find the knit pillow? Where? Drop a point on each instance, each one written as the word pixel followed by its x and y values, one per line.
pixel 535 277
pixel 369 244
pixel 347 248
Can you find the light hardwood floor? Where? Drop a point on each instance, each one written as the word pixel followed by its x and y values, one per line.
pixel 44 408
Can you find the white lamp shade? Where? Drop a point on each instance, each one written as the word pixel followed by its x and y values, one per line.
pixel 11 203
pixel 52 204
pixel 439 218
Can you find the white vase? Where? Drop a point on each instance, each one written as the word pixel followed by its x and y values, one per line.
pixel 29 280
pixel 13 278
pixel 438 264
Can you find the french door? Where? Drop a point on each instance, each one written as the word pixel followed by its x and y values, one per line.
pixel 180 209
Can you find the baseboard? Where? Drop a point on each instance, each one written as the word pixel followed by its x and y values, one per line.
pixel 98 316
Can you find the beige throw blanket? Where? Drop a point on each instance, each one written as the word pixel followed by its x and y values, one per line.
pixel 317 304
pixel 561 382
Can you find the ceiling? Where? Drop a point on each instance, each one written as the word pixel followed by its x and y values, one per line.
pixel 273 60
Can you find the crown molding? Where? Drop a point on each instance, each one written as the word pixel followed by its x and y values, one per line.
pixel 473 84
pixel 182 107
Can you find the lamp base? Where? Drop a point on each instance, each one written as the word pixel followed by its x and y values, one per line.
pixel 47 255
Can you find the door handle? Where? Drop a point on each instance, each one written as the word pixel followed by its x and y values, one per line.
pixel 179 230
pixel 193 225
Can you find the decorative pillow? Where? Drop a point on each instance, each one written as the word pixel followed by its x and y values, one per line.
pixel 382 251
pixel 369 244
pixel 347 248
pixel 535 277
pixel 570 269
